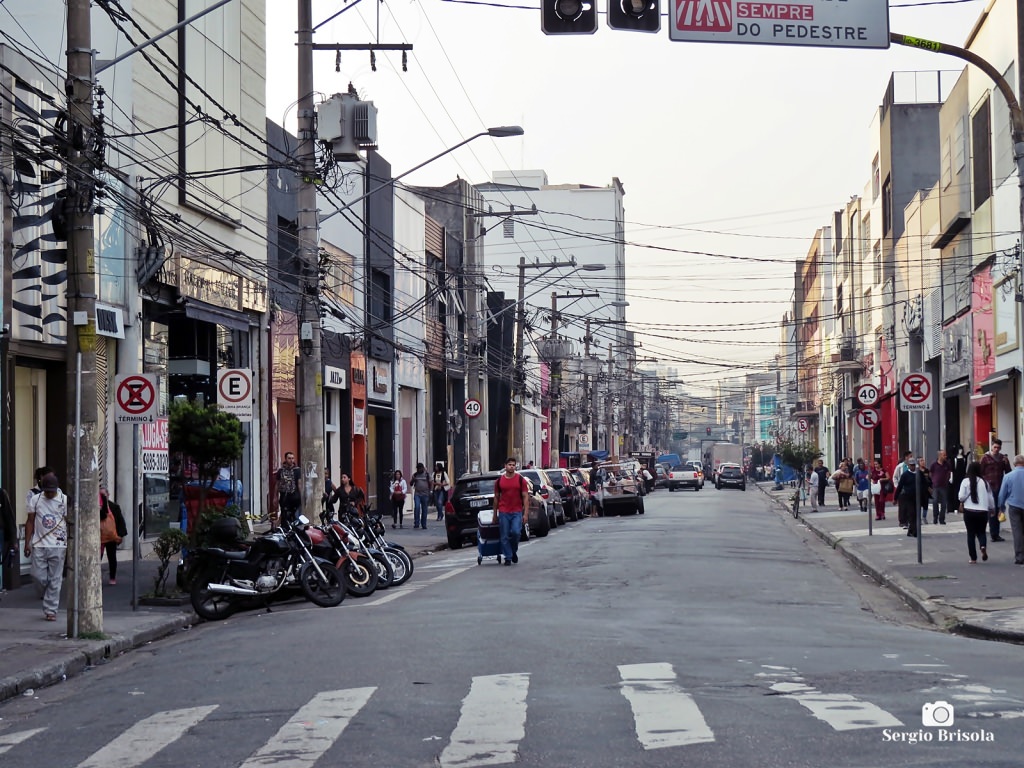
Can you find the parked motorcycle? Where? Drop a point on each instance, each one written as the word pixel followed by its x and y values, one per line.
pixel 227 580
pixel 332 541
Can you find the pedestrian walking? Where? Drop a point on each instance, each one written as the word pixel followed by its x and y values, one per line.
pixel 822 471
pixel 941 472
pixel 897 473
pixel 399 488
pixel 879 489
pixel 912 479
pixel 349 496
pixel 995 466
pixel 112 532
pixel 511 497
pixel 843 480
pixel 959 463
pixel 1011 500
pixel 976 501
pixel 862 484
pixel 813 481
pixel 46 541
pixel 289 485
pixel 440 486
pixel 421 496
pixel 8 535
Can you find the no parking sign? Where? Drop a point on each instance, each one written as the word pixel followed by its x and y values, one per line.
pixel 234 392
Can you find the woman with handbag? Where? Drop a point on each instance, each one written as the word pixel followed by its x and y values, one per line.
pixel 398 488
pixel 112 532
pixel 844 485
pixel 976 501
pixel 879 489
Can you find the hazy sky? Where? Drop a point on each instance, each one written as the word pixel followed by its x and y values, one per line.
pixel 731 155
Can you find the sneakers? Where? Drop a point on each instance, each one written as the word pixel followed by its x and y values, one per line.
pixel 984 554
pixel 515 558
pixel 112 582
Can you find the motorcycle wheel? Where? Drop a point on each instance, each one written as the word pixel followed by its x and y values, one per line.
pixel 211 606
pixel 400 566
pixel 360 578
pixel 324 594
pixel 406 559
pixel 385 573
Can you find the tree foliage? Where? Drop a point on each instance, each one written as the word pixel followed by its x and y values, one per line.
pixel 210 437
pixel 797 455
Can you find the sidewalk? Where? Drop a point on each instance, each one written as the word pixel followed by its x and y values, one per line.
pixel 984 600
pixel 35 653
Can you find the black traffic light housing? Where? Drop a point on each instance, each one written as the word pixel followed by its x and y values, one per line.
pixel 637 15
pixel 709 430
pixel 568 17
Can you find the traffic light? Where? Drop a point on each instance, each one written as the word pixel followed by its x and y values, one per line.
pixel 637 15
pixel 709 430
pixel 568 17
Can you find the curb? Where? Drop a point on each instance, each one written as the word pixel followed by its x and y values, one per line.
pixel 92 653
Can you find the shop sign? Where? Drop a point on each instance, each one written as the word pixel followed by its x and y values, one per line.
pixel 109 321
pixel 196 280
pixel 334 378
pixel 380 381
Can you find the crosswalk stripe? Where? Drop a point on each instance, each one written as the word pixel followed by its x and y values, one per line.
pixel 664 714
pixel 312 730
pixel 147 737
pixel 8 740
pixel 843 711
pixel 491 724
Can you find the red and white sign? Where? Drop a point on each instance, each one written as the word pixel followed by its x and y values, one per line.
pixel 801 424
pixel 135 398
pixel 840 24
pixel 868 418
pixel 916 392
pixel 867 394
pixel 153 446
pixel 473 408
pixel 234 392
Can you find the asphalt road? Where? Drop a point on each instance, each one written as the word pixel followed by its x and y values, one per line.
pixel 707 632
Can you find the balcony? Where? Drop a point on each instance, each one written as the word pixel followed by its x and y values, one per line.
pixel 847 358
pixel 805 408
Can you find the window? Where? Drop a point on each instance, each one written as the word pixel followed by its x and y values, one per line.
pixel 1002 147
pixel 981 142
pixel 887 206
pixel 947 163
pixel 875 178
pixel 380 298
pixel 876 259
pixel 960 144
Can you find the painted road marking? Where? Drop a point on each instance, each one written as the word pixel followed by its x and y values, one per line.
pixel 147 737
pixel 491 724
pixel 8 740
pixel 312 730
pixel 664 714
pixel 842 711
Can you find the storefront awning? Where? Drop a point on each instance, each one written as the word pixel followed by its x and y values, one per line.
pixel 998 379
pixel 229 318
pixel 954 390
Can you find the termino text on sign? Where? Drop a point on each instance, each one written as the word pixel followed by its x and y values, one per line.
pixel 824 23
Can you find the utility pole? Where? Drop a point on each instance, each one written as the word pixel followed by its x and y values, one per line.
pixel 475 346
pixel 310 395
pixel 85 610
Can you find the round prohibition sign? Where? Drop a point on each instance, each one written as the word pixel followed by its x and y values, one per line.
pixel 868 418
pixel 228 391
pixel 801 424
pixel 473 408
pixel 916 388
pixel 135 395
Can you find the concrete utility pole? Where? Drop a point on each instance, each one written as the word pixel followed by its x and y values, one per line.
pixel 85 609
pixel 310 402
pixel 475 345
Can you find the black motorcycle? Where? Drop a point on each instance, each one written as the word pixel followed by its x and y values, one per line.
pixel 228 580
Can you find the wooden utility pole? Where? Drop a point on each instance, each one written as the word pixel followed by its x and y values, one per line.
pixel 85 598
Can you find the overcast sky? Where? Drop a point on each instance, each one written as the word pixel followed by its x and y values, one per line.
pixel 741 151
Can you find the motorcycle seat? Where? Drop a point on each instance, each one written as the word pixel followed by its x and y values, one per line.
pixel 216 552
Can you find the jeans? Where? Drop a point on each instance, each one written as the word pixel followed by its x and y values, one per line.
pixel 420 510
pixel 440 497
pixel 48 574
pixel 510 524
pixel 1016 517
pixel 939 499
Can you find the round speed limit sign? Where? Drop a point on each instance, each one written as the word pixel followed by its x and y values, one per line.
pixel 473 408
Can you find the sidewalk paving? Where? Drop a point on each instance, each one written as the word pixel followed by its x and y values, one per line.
pixel 984 600
pixel 35 653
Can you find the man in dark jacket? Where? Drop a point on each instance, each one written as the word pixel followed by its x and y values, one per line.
pixel 912 479
pixel 823 474
pixel 994 465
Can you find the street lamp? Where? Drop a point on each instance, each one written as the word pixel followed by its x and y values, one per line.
pixel 516 437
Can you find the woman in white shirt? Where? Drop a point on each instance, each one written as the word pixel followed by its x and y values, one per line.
pixel 812 491
pixel 976 500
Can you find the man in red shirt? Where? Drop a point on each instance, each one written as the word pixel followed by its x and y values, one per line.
pixel 511 496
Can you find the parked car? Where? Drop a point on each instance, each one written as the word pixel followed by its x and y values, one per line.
pixel 475 492
pixel 546 488
pixel 731 475
pixel 565 484
pixel 582 476
pixel 660 476
pixel 619 493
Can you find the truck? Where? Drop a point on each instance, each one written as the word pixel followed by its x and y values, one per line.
pixel 728 453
